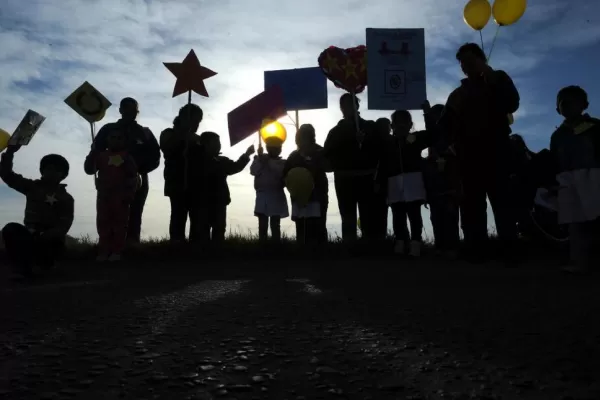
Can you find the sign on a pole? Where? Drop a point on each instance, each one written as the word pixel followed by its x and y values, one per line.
pixel 396 69
pixel 303 88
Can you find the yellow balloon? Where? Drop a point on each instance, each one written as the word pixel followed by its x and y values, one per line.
pixel 477 13
pixel 100 116
pixel 4 138
pixel 507 12
pixel 273 129
pixel 300 184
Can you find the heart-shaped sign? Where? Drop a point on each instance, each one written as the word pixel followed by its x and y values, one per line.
pixel 346 68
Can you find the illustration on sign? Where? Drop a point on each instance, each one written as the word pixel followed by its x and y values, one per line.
pixel 28 126
pixel 88 102
pixel 396 69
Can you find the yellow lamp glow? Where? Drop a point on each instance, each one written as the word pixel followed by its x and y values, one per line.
pixel 273 129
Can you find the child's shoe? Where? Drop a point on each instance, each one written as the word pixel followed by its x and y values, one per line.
pixel 415 249
pixel 114 258
pixel 399 248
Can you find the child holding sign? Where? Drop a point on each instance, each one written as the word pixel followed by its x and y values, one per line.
pixel 271 203
pixel 116 185
pixel 48 213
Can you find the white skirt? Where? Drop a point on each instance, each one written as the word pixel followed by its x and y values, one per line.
pixel 311 210
pixel 406 188
pixel 578 195
pixel 272 203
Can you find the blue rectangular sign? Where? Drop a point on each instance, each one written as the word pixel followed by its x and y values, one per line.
pixel 303 88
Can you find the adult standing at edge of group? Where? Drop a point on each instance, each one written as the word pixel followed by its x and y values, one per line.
pixel 142 145
pixel 476 116
pixel 354 158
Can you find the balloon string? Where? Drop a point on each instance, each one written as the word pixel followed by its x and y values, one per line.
pixel 481 39
pixel 493 43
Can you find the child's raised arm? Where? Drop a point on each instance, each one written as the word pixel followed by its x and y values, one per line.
pixel 234 167
pixel 13 180
pixel 256 166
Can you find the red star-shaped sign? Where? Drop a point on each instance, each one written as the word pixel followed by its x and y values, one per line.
pixel 190 75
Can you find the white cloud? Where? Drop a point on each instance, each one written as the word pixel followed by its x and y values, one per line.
pixel 50 47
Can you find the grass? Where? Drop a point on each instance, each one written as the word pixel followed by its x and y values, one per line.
pixel 247 248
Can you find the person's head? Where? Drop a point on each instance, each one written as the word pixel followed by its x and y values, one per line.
pixel 571 101
pixel 472 59
pixel 273 146
pixel 211 143
pixel 189 118
pixel 435 112
pixel 54 168
pixel 401 122
pixel 384 126
pixel 129 109
pixel 306 136
pixel 346 104
pixel 116 140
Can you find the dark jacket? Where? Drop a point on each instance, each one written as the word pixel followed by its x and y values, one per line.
pixel 316 163
pixel 441 176
pixel 117 173
pixel 141 144
pixel 440 168
pixel 212 178
pixel 476 116
pixel 172 144
pixel 576 145
pixel 342 149
pixel 403 154
pixel 46 207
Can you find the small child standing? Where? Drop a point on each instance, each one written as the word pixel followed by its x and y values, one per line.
pixel 48 214
pixel 402 168
pixel 215 196
pixel 311 218
pixel 575 147
pixel 442 183
pixel 271 204
pixel 116 185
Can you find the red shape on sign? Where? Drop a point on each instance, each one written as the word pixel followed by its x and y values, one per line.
pixel 248 118
pixel 190 75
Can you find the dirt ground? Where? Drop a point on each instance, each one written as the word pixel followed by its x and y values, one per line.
pixel 362 329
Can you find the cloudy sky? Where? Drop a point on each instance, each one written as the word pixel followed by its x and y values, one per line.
pixel 49 47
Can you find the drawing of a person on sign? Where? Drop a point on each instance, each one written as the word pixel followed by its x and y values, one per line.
pixel 28 126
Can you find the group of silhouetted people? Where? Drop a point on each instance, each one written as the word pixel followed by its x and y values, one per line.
pixel 376 166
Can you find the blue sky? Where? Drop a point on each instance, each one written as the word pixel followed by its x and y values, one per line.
pixel 50 47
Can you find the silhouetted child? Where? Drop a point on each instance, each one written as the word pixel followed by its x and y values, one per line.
pixel 48 214
pixel 442 183
pixel 271 203
pixel 384 126
pixel 116 184
pixel 174 142
pixel 402 169
pixel 310 219
pixel 575 146
pixel 214 170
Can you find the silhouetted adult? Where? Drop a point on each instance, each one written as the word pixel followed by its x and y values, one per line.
pixel 142 145
pixel 476 114
pixel 183 198
pixel 354 158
